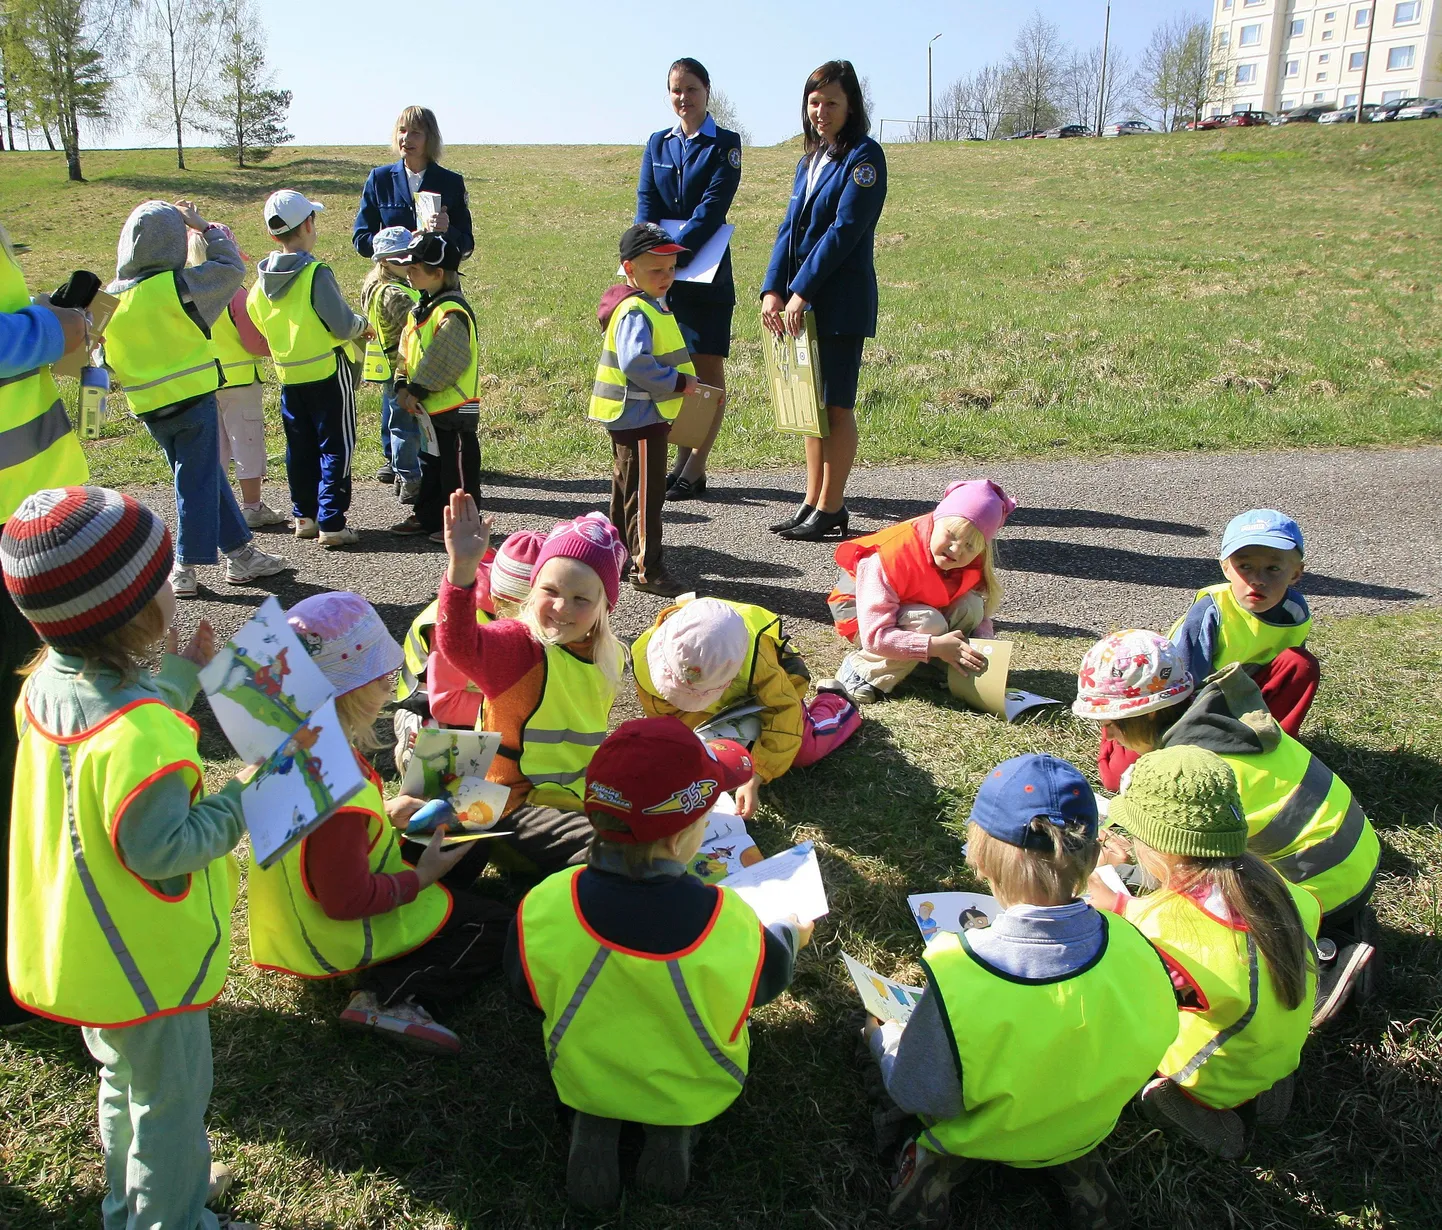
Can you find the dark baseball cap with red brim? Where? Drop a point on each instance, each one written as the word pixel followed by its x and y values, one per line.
pixel 647 237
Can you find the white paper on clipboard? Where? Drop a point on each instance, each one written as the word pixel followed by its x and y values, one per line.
pixel 707 258
pixel 430 445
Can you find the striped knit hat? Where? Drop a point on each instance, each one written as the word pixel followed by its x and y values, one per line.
pixel 81 562
pixel 514 565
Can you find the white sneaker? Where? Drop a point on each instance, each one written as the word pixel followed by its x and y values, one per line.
pixel 346 537
pixel 250 563
pixel 183 582
pixel 222 1178
pixel 263 515
pixel 305 527
pixel 407 1022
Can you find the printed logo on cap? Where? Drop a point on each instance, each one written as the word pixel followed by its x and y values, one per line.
pixel 313 641
pixel 735 156
pixel 689 798
pixel 592 532
pixel 599 792
pixel 864 176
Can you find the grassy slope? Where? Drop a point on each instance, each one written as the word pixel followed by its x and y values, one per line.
pixel 1193 291
pixel 327 1130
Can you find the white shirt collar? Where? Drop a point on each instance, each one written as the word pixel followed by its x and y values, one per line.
pixel 707 129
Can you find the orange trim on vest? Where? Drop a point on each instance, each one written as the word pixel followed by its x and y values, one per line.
pixel 633 952
pixel 120 813
pixel 755 982
pixel 110 717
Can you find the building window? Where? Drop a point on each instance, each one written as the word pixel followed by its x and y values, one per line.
pixel 1220 77
pixel 1349 101
pixel 1327 34
pixel 1331 17
pixel 1393 96
pixel 1294 67
pixel 1250 4
pixel 1321 76
pixel 1406 13
pixel 1363 17
pixel 1251 35
pixel 1354 61
pixel 1325 58
pixel 1226 4
pixel 1297 26
pixel 1319 97
pixel 1224 38
pixel 1288 103
pixel 1246 73
pixel 1401 57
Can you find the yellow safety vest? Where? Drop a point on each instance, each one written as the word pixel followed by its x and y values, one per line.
pixel 417 337
pixel 564 730
pixel 608 395
pixel 650 1038
pixel 1303 819
pixel 91 943
pixel 1241 636
pixel 1046 1065
pixel 1244 1040
pixel 415 650
pixel 239 366
pixel 38 449
pixel 290 933
pixel 156 349
pixel 302 348
pixel 759 622
pixel 377 367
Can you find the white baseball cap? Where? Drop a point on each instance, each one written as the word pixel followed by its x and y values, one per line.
pixel 291 207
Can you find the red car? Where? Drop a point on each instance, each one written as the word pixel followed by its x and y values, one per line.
pixel 1248 119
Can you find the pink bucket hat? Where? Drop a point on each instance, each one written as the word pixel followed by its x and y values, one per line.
pixel 346 638
pixel 515 565
pixel 981 502
pixel 1128 673
pixel 593 541
pixel 695 654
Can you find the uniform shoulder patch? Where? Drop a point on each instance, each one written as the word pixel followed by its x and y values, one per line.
pixel 735 156
pixel 864 176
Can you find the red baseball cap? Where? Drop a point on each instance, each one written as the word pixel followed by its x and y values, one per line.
pixel 657 778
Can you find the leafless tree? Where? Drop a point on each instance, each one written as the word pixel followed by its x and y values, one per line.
pixel 1082 84
pixel 723 111
pixel 179 50
pixel 1035 69
pixel 1157 80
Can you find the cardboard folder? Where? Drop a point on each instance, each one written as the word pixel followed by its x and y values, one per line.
pixel 698 413
pixel 793 372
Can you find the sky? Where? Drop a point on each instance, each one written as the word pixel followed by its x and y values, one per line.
pixel 594 71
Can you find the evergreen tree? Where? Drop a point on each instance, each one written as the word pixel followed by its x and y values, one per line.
pixel 244 109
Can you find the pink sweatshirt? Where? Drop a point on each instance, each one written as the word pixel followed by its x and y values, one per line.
pixel 877 611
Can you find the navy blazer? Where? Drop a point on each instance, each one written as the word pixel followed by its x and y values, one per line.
pixel 695 180
pixel 825 245
pixel 386 201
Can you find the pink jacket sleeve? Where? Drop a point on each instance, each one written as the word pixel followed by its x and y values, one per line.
pixel 493 656
pixel 455 700
pixel 250 337
pixel 877 611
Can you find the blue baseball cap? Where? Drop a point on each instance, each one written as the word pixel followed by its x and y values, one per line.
pixel 1261 527
pixel 1025 787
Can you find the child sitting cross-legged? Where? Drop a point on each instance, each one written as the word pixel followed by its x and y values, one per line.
pixel 343 900
pixel 1035 1032
pixel 646 976
pixel 1238 940
pixel 917 590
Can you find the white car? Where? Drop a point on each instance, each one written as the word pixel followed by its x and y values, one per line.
pixel 1430 109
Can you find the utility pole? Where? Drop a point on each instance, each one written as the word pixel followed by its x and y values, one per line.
pixel 930 116
pixel 1366 61
pixel 1102 91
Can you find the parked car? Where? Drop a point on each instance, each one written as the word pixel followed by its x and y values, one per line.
pixel 1067 130
pixel 1387 111
pixel 1249 119
pixel 1309 114
pixel 1127 128
pixel 1347 115
pixel 1025 135
pixel 1428 109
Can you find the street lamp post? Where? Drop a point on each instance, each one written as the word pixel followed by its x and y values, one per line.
pixel 930 115
pixel 1366 61
pixel 1102 88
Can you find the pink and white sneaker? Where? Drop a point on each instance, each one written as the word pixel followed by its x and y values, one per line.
pixel 406 1021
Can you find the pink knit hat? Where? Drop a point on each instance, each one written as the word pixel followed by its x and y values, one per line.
pixel 981 502
pixel 592 540
pixel 694 655
pixel 515 565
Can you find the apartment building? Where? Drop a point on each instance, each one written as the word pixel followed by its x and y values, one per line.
pixel 1272 55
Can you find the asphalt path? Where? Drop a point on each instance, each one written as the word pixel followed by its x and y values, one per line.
pixel 1095 544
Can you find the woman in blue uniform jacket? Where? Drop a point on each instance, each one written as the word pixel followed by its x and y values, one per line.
pixel 691 172
pixel 388 199
pixel 823 259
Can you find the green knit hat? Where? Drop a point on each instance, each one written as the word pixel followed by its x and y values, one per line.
pixel 1183 800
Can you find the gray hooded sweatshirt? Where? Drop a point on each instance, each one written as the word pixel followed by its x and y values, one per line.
pixel 278 274
pixel 1227 716
pixel 153 241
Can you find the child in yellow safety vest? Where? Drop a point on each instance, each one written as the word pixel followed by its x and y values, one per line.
pixel 387 298
pixel 121 880
pixel 645 976
pixel 343 900
pixel 1238 940
pixel 704 657
pixel 1033 1033
pixel 917 591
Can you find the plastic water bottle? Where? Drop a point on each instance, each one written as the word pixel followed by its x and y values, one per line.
pixel 94 385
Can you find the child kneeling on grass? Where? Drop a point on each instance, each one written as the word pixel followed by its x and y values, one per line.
pixel 1035 1032
pixel 706 656
pixel 645 975
pixel 918 590
pixel 1238 940
pixel 121 877
pixel 342 900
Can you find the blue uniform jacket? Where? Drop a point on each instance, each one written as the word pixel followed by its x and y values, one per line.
pixel 824 248
pixel 695 180
pixel 386 201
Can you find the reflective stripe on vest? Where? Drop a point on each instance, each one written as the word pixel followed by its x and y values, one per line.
pixel 1113 1020
pixel 565 729
pixel 239 365
pixel 415 651
pixel 654 1038
pixel 90 942
pixel 290 932
pixel 1241 636
pixel 417 337
pixel 1243 1040
pixel 155 348
pixel 37 447
pixel 377 367
pixel 609 393
pixel 302 349
pixel 759 622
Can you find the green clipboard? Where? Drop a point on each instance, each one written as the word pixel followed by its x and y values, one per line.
pixel 794 374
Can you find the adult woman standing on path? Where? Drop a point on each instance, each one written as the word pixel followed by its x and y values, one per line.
pixel 823 260
pixel 691 172
pixel 389 199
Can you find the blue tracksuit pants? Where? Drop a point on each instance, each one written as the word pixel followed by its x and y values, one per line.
pixel 320 421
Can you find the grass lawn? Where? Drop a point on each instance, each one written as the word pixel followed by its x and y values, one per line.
pixel 1202 290
pixel 327 1130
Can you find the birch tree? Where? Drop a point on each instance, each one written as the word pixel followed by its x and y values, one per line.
pixel 179 52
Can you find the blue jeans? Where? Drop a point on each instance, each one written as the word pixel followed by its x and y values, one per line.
pixel 205 506
pixel 400 436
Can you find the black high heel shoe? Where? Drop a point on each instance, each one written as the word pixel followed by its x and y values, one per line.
pixel 819 525
pixel 793 520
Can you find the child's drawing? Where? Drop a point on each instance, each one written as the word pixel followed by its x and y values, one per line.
pixel 441 758
pixel 938 912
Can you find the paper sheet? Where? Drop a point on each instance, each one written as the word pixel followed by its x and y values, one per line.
pixel 985 692
pixel 941 911
pixel 706 259
pixel 884 998
pixel 782 885
pixel 430 444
